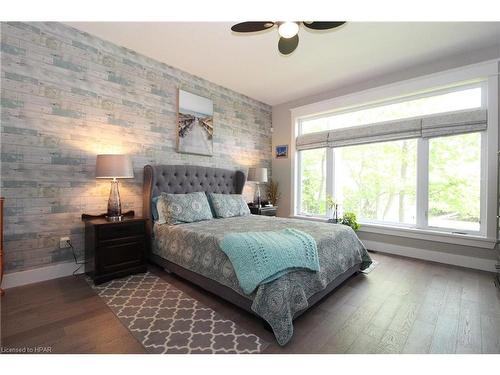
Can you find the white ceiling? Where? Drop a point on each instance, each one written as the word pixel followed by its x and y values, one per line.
pixel 251 64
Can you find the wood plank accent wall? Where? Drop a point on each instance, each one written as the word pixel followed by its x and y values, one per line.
pixel 67 96
pixel 1 244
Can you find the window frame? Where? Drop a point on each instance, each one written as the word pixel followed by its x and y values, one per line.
pixel 424 187
pixel 422 178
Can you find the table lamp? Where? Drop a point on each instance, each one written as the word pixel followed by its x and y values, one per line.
pixel 114 167
pixel 257 175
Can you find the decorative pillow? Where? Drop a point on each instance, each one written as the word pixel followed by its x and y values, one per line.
pixel 160 208
pixel 183 208
pixel 228 205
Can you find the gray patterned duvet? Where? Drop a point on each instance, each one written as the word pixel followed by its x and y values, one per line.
pixel 195 246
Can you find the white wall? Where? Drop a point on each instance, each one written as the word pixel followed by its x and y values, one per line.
pixel 282 168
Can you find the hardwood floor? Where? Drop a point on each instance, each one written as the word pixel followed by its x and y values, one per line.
pixel 403 306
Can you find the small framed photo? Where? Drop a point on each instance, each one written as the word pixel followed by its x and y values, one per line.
pixel 282 152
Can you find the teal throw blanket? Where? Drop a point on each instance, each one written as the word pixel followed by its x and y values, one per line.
pixel 261 257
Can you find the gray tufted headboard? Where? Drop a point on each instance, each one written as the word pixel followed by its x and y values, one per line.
pixel 181 179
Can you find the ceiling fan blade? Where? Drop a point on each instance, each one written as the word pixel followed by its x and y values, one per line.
pixel 287 45
pixel 250 27
pixel 323 25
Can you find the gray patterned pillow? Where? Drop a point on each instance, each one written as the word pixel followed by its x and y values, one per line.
pixel 183 208
pixel 228 205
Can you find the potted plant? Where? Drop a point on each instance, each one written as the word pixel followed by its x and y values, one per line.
pixel 350 220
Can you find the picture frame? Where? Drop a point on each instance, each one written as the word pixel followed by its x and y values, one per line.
pixel 194 124
pixel 281 152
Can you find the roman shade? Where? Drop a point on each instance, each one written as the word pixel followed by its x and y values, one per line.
pixel 386 131
pixel 313 140
pixel 454 123
pixel 429 126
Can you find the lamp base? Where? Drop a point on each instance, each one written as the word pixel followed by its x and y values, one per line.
pixel 114 203
pixel 114 218
pixel 257 201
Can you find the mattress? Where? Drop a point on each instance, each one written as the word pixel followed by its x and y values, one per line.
pixel 195 246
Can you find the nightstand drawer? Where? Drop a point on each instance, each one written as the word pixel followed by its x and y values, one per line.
pixel 121 256
pixel 265 212
pixel 120 230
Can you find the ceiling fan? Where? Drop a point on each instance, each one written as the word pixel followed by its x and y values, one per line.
pixel 289 31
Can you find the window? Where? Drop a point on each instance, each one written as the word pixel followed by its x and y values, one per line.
pixel 428 181
pixel 455 182
pixel 378 181
pixel 313 182
pixel 448 102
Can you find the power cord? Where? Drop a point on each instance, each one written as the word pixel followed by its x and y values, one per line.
pixel 80 264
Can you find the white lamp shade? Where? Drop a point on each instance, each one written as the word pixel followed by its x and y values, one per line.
pixel 113 166
pixel 257 174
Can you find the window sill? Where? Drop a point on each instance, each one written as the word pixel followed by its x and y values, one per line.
pixel 420 234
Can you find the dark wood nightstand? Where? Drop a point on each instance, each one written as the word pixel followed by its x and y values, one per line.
pixel 265 211
pixel 114 249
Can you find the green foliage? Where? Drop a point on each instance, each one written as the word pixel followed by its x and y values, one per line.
pixel 378 181
pixel 330 202
pixel 454 175
pixel 313 163
pixel 350 220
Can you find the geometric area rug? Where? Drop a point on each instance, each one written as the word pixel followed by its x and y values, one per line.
pixel 166 320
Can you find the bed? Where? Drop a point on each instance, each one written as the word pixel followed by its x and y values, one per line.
pixel 192 251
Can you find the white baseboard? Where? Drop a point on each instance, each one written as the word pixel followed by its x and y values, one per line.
pixel 11 280
pixel 434 256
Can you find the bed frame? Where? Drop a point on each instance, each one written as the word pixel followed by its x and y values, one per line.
pixel 181 179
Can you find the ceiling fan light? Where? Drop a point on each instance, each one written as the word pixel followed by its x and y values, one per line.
pixel 288 29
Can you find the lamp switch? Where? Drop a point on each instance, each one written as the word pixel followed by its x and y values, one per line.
pixel 63 242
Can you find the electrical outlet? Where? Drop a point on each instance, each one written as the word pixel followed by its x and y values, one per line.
pixel 63 242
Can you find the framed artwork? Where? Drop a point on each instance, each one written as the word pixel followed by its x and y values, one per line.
pixel 195 129
pixel 282 152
